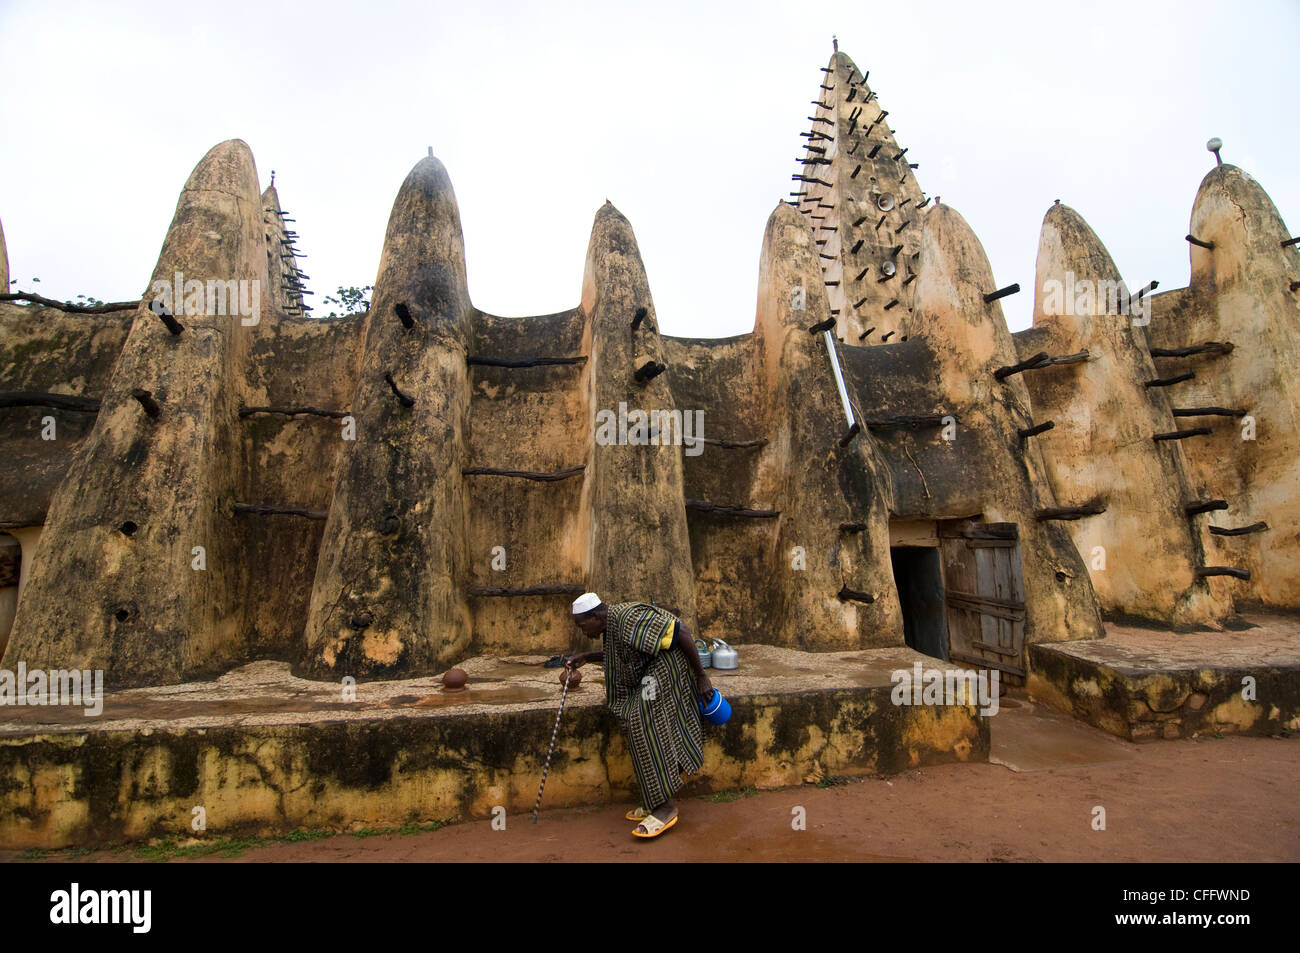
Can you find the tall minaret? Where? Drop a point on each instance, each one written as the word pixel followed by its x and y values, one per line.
pixel 862 200
pixel 286 278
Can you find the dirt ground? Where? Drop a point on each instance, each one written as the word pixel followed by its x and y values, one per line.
pixel 1206 799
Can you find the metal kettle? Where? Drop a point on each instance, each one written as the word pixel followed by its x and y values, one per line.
pixel 706 657
pixel 724 656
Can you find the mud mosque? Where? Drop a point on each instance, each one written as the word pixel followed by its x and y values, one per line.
pixel 228 510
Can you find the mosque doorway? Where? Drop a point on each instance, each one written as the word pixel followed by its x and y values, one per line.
pixel 918 576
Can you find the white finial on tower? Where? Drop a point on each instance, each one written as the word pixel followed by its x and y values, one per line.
pixel 835 43
pixel 1214 145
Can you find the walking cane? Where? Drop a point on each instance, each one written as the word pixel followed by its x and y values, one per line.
pixel 549 751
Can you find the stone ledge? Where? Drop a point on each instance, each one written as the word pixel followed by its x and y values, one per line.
pixel 1145 685
pixel 263 752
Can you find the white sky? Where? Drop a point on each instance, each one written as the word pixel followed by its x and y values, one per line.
pixel 685 115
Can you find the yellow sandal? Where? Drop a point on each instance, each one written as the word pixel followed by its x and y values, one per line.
pixel 654 827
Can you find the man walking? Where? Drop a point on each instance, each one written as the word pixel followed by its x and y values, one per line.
pixel 653 681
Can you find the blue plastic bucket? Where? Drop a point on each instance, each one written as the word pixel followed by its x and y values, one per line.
pixel 717 710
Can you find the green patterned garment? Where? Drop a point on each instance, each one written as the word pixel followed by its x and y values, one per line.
pixel 652 692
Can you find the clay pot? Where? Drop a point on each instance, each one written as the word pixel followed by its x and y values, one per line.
pixel 574 676
pixel 454 680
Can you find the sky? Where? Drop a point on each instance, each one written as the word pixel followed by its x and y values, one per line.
pixel 685 115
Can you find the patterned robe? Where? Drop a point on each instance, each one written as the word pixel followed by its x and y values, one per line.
pixel 652 692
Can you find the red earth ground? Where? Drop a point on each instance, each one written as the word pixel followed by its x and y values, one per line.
pixel 1205 799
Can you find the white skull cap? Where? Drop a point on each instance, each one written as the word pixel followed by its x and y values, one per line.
pixel 585 603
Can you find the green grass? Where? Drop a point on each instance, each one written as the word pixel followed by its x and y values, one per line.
pixel 404 829
pixel 168 849
pixel 832 780
pixel 726 797
pixel 425 828
pixel 307 834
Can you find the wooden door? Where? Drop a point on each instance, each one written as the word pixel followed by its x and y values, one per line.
pixel 984 594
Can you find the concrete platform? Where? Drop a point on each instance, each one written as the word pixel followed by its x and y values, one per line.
pixel 260 750
pixel 1030 736
pixel 1143 684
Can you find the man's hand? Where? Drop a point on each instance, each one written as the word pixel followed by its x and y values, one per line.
pixel 575 661
pixel 704 686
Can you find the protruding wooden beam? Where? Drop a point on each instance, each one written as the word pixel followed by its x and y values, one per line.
pixel 1204 506
pixel 1200 244
pixel 70 308
pixel 1027 432
pixel 1240 531
pixel 1001 293
pixel 1207 412
pixel 293 411
pixel 649 371
pixel 25 398
pixel 717 509
pixel 1092 508
pixel 551 590
pixel 1203 571
pixel 524 362
pixel 821 326
pixel 146 399
pixel 906 422
pixel 852 595
pixel 853 527
pixel 525 474
pixel 1209 347
pixel 734 444
pixel 406 401
pixel 1037 360
pixel 1170 381
pixel 1183 434
pixel 174 326
pixel 1067 359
